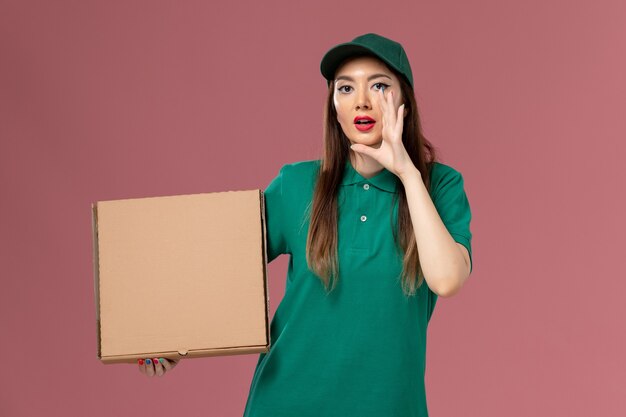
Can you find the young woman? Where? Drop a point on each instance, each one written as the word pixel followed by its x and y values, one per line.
pixel 376 230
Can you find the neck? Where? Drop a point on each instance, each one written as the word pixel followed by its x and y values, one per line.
pixel 365 165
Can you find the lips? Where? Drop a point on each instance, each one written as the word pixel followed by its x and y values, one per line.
pixel 364 123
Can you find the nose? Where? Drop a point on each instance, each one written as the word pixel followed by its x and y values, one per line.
pixel 363 99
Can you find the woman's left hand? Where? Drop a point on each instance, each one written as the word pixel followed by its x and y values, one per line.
pixel 391 154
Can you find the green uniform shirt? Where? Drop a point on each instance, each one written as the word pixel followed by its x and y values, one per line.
pixel 361 350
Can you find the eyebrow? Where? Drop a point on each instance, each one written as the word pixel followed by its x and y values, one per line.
pixel 370 78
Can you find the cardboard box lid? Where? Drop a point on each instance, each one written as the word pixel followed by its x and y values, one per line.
pixel 181 274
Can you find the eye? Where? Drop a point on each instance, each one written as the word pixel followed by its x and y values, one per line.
pixel 343 86
pixel 381 84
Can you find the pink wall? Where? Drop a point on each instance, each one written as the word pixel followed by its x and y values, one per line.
pixel 105 100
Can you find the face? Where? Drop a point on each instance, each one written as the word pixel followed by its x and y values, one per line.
pixel 357 83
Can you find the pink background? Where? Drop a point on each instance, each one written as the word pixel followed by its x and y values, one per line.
pixel 106 100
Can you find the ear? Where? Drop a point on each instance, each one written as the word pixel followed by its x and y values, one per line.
pixel 405 111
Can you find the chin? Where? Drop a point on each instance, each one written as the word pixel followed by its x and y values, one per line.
pixel 369 142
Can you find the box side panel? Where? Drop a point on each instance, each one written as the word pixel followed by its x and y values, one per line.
pixel 193 354
pixel 96 270
pixel 265 280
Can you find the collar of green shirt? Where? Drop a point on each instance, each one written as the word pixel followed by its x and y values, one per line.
pixel 385 179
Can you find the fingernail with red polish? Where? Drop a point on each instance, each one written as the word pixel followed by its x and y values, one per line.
pixel 156 360
pixel 140 361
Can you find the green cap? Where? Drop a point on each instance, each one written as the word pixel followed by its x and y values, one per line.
pixel 390 52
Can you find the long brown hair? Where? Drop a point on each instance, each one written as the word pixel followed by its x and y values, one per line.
pixel 321 246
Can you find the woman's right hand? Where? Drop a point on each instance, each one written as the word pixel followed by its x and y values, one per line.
pixel 156 366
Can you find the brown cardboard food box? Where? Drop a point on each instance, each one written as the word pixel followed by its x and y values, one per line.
pixel 181 276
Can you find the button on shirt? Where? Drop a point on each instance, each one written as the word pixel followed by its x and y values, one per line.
pixel 361 349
